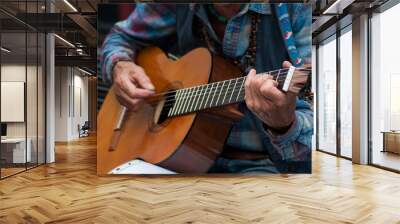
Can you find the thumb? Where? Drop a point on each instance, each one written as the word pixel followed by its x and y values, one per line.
pixel 252 72
pixel 286 64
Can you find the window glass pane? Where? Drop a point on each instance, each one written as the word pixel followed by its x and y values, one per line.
pixel 23 87
pixel 346 94
pixel 385 84
pixel 327 97
pixel 14 153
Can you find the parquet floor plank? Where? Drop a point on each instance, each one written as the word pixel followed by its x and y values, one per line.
pixel 69 191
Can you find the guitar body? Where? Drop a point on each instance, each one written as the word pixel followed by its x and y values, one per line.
pixel 185 144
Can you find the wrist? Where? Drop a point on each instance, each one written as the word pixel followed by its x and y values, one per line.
pixel 119 65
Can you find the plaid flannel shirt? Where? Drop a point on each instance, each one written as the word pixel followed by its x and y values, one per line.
pixel 150 23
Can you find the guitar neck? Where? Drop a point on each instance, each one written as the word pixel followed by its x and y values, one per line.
pixel 215 94
pixel 212 95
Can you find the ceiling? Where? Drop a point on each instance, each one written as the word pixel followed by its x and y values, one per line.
pixel 330 15
pixel 76 22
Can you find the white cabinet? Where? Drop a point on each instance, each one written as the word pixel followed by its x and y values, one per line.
pixel 15 148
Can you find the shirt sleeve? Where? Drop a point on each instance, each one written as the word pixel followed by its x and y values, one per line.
pixel 295 144
pixel 301 20
pixel 147 25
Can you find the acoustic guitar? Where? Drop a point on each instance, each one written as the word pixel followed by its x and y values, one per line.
pixel 183 127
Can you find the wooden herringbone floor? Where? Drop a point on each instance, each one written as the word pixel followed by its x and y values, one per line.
pixel 70 192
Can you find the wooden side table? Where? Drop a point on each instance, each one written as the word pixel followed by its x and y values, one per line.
pixel 391 141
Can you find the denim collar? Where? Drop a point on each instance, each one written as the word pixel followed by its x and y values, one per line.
pixel 264 9
pixel 260 8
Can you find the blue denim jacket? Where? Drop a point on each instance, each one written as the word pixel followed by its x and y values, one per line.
pixel 284 34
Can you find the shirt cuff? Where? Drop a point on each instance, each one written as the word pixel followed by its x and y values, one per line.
pixel 111 62
pixel 285 141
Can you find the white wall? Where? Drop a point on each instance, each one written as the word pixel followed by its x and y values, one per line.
pixel 71 102
pixel 15 72
pixel 61 103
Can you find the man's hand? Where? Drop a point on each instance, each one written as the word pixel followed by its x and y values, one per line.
pixel 274 107
pixel 131 84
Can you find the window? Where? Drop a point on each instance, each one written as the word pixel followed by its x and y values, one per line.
pixel 346 92
pixel 385 88
pixel 326 94
pixel 22 77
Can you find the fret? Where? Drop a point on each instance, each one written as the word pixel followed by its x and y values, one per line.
pixel 220 91
pixel 277 77
pixel 188 100
pixel 234 88
pixel 226 92
pixel 240 89
pixel 181 101
pixel 215 91
pixel 177 102
pixel 173 109
pixel 208 95
pixel 203 97
pixel 195 96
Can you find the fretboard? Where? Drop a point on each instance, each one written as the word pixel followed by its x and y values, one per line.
pixel 208 96
pixel 212 95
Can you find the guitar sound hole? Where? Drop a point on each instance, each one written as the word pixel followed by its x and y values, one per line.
pixel 164 107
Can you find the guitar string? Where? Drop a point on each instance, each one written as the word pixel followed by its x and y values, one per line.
pixel 208 105
pixel 197 93
pixel 239 96
pixel 191 96
pixel 263 73
pixel 213 88
pixel 200 92
pixel 163 93
pixel 226 89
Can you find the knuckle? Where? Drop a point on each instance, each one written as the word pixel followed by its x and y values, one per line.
pixel 269 83
pixel 124 87
pixel 139 71
pixel 250 104
pixel 257 106
pixel 264 89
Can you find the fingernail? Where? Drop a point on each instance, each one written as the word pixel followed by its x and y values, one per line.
pixel 151 87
